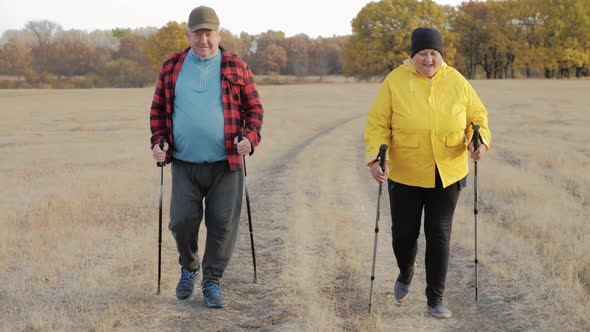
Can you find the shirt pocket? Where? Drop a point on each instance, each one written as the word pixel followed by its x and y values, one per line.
pixel 235 80
pixel 455 139
pixel 406 140
pixel 236 83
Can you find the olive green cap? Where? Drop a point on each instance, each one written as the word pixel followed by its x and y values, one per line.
pixel 203 17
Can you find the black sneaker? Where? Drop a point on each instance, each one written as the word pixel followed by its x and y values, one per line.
pixel 440 311
pixel 400 291
pixel 212 295
pixel 186 285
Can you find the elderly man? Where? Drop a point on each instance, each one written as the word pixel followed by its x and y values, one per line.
pixel 204 96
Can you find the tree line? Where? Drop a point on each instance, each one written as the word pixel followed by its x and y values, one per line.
pixel 491 39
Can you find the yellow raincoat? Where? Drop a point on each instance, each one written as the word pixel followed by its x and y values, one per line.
pixel 425 122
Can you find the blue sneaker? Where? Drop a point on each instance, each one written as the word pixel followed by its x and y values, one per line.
pixel 212 295
pixel 186 285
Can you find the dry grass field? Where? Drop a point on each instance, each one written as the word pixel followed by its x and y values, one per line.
pixel 78 232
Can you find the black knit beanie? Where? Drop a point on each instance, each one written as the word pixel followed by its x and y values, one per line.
pixel 426 38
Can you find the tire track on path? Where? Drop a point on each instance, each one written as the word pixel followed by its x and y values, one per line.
pixel 322 254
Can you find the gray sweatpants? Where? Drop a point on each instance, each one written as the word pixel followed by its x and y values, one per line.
pixel 221 190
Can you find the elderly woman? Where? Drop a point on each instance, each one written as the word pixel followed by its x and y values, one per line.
pixel 424 112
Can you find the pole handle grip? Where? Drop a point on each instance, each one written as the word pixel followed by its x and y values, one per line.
pixel 161 144
pixel 240 135
pixel 382 158
pixel 476 137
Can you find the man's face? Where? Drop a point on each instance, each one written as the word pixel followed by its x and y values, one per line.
pixel 204 42
pixel 427 62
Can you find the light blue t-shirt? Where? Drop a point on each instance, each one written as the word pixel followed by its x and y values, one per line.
pixel 198 123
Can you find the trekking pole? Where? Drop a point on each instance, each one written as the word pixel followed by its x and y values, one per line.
pixel 161 165
pixel 475 211
pixel 381 157
pixel 240 137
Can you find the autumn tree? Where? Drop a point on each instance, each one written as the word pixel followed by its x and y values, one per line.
pixel 16 58
pixel 168 40
pixel 298 55
pixel 326 56
pixel 381 31
pixel 467 24
pixel 531 53
pixel 130 66
pixel 267 55
pixel 133 46
pixel 120 32
pixel 270 60
pixel 72 54
pixel 232 43
pixel 333 48
pixel 4 66
pixel 45 32
pixel 25 36
pixel 500 43
pixel 104 39
pixel 567 36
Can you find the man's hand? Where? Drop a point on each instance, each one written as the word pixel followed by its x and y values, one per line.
pixel 244 146
pixel 477 155
pixel 378 174
pixel 159 154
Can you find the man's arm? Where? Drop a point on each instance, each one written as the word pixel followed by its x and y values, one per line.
pixel 158 125
pixel 252 110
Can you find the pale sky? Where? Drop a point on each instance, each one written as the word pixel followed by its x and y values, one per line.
pixel 312 17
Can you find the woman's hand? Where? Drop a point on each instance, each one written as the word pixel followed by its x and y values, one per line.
pixel 477 155
pixel 378 174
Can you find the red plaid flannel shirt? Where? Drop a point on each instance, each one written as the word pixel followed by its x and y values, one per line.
pixel 240 100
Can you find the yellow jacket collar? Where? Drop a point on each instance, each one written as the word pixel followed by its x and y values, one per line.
pixel 408 64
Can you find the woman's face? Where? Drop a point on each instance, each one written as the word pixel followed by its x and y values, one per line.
pixel 427 62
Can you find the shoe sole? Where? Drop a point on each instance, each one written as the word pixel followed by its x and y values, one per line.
pixel 440 316
pixel 400 300
pixel 188 298
pixel 212 305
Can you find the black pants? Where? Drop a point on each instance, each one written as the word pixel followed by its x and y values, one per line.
pixel 220 189
pixel 407 203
